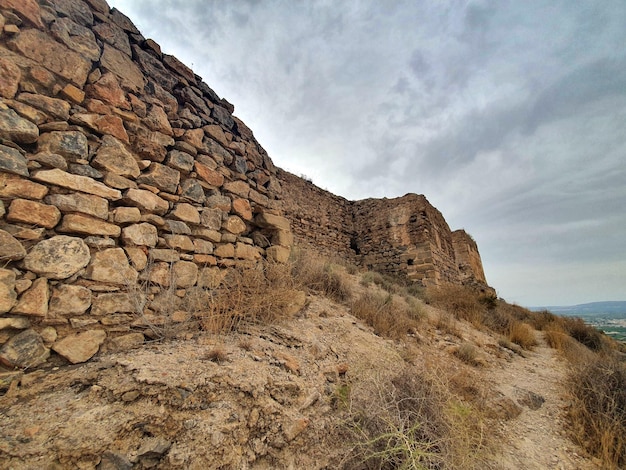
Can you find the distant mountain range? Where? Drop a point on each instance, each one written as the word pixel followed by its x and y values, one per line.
pixel 589 309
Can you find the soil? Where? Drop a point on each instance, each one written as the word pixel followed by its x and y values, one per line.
pixel 266 398
pixel 537 439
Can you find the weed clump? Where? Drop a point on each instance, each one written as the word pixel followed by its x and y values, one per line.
pixel 388 315
pixel 597 390
pixel 412 421
pixel 320 276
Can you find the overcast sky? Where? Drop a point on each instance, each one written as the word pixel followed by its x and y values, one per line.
pixel 510 116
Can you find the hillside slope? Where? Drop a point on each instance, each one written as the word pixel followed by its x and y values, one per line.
pixel 279 396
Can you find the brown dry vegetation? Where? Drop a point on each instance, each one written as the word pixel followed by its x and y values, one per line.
pixel 414 421
pixel 428 415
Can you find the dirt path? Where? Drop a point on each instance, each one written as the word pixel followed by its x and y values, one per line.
pixel 536 439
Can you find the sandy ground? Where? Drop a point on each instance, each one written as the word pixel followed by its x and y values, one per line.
pixel 264 399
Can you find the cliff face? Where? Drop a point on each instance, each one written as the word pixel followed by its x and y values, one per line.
pixel 119 166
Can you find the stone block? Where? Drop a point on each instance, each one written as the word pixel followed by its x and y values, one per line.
pixel 80 347
pixel 234 225
pixel 162 177
pixel 10 75
pixel 146 201
pixel 212 177
pixel 186 213
pixel 12 186
pixel 184 274
pixel 115 302
pixel 140 234
pixel 271 221
pixel 10 248
pixel 15 128
pixel 35 213
pixel 41 48
pixel 126 215
pixel 85 203
pixel 12 161
pixel 24 350
pixel 69 300
pixel 76 182
pixel 59 109
pixel 279 254
pixel 80 223
pixel 242 208
pixel 179 242
pixel 58 257
pixel 8 296
pixel 35 300
pixel 111 266
pixel 112 156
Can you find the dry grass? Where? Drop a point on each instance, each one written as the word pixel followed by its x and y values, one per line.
pixel 320 276
pixel 468 353
pixel 523 335
pixel 388 315
pixel 217 354
pixel 262 295
pixel 460 301
pixel 412 421
pixel 597 390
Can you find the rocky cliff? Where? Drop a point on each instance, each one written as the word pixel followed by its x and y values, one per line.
pixel 119 166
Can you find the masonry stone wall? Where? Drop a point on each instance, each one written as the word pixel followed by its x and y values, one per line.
pixel 468 257
pixel 320 221
pixel 403 236
pixel 123 175
pixel 118 167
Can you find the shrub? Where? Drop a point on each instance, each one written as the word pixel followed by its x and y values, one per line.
pixel 468 353
pixel 598 413
pixel 263 294
pixel 462 302
pixel 387 315
pixel 320 276
pixel 583 333
pixel 523 334
pixel 413 422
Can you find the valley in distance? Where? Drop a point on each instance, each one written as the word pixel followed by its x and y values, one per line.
pixel 609 317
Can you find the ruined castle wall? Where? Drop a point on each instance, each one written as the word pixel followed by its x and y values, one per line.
pixel 467 257
pixel 321 222
pixel 405 236
pixel 118 167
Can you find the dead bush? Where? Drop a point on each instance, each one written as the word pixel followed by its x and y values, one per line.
pixel 468 353
pixel 389 316
pixel 462 302
pixel 412 421
pixel 523 334
pixel 583 333
pixel 263 294
pixel 597 389
pixel 321 276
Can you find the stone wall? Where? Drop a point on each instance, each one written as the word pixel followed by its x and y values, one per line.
pixel 122 175
pixel 403 236
pixel 118 167
pixel 320 221
pixel 468 257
